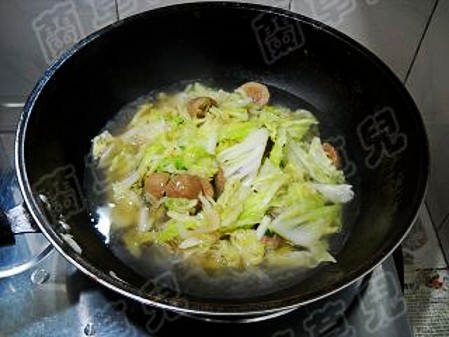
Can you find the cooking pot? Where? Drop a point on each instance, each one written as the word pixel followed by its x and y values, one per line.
pixel 362 107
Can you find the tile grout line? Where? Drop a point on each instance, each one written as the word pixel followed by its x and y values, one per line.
pixel 442 221
pixel 437 231
pixel 421 40
pixel 435 228
pixel 117 13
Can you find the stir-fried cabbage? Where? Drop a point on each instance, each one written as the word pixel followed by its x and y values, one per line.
pixel 220 178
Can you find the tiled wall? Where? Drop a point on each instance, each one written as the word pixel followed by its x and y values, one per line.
pixel 389 28
pixel 429 85
pixel 127 7
pixel 32 33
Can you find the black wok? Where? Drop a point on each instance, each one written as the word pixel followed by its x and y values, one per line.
pixel 362 107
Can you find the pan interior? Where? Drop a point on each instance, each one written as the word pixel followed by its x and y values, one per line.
pixel 357 100
pixel 178 276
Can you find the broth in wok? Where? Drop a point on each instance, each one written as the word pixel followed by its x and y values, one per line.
pixel 220 184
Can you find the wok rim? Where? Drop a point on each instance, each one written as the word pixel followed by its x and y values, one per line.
pixel 210 309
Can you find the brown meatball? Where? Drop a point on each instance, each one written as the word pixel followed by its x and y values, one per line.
pixel 332 154
pixel 198 106
pixel 207 188
pixel 258 92
pixel 272 242
pixel 155 184
pixel 219 182
pixel 184 186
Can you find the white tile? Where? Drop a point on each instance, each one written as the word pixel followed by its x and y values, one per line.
pixel 428 83
pixel 20 60
pixel 390 28
pixel 33 33
pixel 131 7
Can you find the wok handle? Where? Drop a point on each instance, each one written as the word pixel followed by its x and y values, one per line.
pixel 18 221
pixel 13 222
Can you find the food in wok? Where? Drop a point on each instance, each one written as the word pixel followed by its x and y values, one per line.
pixel 223 180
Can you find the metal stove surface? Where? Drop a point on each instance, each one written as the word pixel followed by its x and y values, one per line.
pixel 53 298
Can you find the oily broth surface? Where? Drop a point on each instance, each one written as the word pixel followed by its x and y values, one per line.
pixel 155 262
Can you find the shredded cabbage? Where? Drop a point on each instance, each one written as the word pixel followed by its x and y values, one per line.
pixel 242 161
pixel 281 195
